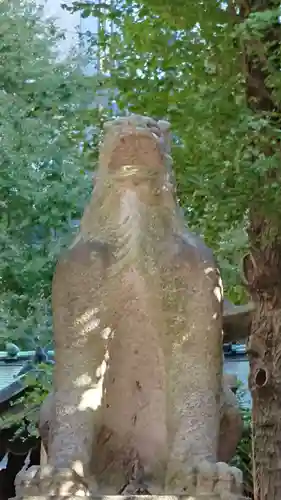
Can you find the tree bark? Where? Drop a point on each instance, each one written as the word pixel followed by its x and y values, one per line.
pixel 262 269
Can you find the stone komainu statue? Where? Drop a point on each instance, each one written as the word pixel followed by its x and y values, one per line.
pixel 139 400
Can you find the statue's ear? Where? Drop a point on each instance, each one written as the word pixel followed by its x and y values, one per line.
pixel 248 269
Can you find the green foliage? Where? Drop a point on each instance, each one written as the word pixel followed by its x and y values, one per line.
pixel 43 184
pixel 24 414
pixel 183 61
pixel 39 386
pixel 243 456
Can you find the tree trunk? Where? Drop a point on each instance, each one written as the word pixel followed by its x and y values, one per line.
pixel 263 272
pixel 262 269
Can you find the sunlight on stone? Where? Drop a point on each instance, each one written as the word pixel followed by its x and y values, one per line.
pixel 88 320
pixel 107 333
pixel 218 294
pixel 209 270
pixel 218 291
pixel 66 489
pixel 221 286
pixel 101 369
pixel 86 316
pixel 92 397
pixel 78 467
pixel 91 325
pixel 185 338
pixel 83 380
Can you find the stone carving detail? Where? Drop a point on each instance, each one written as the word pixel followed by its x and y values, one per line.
pixel 139 396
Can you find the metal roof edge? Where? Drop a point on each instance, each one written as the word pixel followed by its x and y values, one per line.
pixel 21 356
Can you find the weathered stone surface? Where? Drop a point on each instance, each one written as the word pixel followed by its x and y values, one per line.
pixel 231 424
pixel 213 482
pixel 137 308
pixel 133 497
pixel 45 480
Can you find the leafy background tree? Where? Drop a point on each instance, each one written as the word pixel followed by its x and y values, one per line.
pixel 43 179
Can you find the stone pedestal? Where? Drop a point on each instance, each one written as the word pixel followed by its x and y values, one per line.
pixel 46 483
pixel 206 496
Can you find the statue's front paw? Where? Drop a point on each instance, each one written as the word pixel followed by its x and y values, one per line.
pixel 47 480
pixel 218 480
